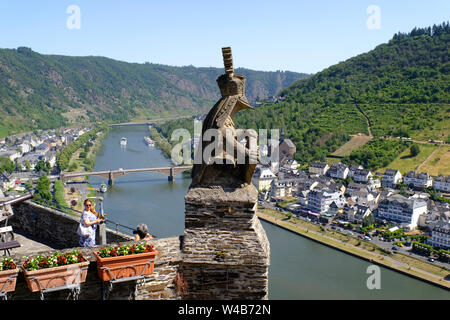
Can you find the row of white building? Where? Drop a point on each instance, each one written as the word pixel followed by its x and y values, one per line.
pixel 31 148
pixel 27 149
pixel 390 178
pixel 320 196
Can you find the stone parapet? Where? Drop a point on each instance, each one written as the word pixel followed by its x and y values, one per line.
pixel 224 244
pixel 159 285
pixel 221 209
pixel 223 254
pixel 52 227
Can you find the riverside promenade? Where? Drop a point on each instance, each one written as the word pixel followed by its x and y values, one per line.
pixel 360 249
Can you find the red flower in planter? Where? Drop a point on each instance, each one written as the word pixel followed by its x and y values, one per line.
pixel 116 265
pixel 62 260
pixel 56 271
pixel 8 275
pixel 7 264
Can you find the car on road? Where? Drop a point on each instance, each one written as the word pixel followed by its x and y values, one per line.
pixel 367 238
pixel 431 259
pixel 395 248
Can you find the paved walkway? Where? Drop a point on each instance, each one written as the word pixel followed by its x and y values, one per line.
pixel 29 247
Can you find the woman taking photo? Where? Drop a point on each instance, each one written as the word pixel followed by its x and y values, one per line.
pixel 90 220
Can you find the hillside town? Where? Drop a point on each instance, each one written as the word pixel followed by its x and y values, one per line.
pixel 33 154
pixel 350 197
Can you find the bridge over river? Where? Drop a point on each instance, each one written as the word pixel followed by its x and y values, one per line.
pixel 111 175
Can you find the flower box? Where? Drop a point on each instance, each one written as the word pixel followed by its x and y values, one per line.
pixel 8 280
pixel 43 279
pixel 43 273
pixel 8 275
pixel 126 264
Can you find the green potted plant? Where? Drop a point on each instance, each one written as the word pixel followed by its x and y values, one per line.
pixel 56 270
pixel 8 275
pixel 125 261
pixel 220 256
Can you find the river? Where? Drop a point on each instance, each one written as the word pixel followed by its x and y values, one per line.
pixel 300 268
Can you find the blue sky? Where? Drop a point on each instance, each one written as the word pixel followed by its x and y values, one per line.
pixel 302 36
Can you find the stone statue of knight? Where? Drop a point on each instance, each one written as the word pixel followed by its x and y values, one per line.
pixel 223 160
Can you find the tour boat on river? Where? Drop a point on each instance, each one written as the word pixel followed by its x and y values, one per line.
pixel 149 141
pixel 103 188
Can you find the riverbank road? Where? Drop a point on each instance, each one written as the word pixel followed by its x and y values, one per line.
pixel 375 240
pixel 407 251
pixel 81 187
pixel 397 261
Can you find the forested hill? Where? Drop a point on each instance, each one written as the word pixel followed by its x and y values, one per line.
pixel 46 91
pixel 411 68
pixel 402 86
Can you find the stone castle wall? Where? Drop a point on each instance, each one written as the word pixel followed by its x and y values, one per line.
pixel 52 227
pixel 223 254
pixel 159 285
pixel 225 249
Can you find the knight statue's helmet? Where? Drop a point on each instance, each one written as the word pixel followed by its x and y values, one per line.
pixel 230 83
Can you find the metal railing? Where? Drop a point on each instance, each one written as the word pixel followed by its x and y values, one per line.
pixel 16 200
pixel 118 227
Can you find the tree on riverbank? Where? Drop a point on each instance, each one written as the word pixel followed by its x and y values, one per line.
pixel 59 193
pixel 84 141
pixel 161 142
pixel 43 188
pixel 6 165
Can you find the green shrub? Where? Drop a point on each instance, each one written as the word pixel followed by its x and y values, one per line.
pixel 59 193
pixel 43 188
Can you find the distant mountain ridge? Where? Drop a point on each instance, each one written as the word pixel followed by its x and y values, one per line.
pixel 47 91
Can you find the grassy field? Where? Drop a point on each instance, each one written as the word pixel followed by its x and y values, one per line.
pixel 405 163
pixel 422 121
pixel 69 196
pixel 75 163
pixel 355 142
pixel 439 130
pixel 439 163
pixel 422 265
